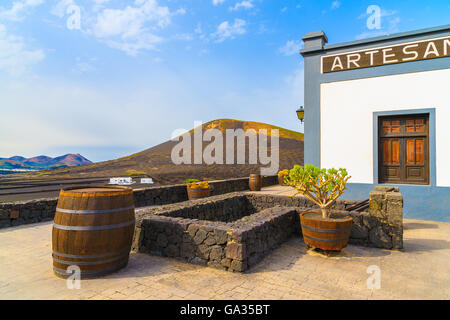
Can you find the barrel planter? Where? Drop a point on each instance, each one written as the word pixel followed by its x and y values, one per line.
pixel 93 229
pixel 326 234
pixel 198 193
pixel 255 182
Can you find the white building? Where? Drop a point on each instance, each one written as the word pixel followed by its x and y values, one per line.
pixel 380 108
pixel 121 181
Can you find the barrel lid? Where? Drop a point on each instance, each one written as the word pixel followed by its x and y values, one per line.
pixel 336 215
pixel 98 189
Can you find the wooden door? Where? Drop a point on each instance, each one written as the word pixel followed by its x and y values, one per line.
pixel 403 149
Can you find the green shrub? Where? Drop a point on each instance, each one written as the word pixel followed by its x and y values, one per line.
pixel 44 173
pixel 188 181
pixel 321 186
pixel 133 172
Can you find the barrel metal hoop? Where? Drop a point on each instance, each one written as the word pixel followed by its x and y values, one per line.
pixel 91 256
pixel 89 263
pixel 93 211
pixel 87 274
pixel 92 228
pixel 325 240
pixel 326 230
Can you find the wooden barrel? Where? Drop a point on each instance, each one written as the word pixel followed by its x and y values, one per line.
pixel 93 229
pixel 198 193
pixel 255 182
pixel 329 234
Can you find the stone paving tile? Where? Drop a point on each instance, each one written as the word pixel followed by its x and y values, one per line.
pixel 420 271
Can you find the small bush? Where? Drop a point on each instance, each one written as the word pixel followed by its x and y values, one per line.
pixel 133 172
pixel 198 185
pixel 188 181
pixel 44 173
pixel 321 186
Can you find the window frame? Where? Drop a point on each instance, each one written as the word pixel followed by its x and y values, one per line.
pixel 431 112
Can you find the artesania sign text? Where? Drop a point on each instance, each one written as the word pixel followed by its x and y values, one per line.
pixel 411 51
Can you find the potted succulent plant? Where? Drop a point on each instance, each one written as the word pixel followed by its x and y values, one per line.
pixel 323 228
pixel 282 174
pixel 197 189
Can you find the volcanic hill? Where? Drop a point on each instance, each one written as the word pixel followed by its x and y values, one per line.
pixel 156 162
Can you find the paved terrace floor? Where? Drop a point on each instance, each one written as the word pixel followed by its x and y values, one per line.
pixel 420 271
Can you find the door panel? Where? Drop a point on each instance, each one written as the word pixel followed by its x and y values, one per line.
pixel 391 169
pixel 420 151
pixel 403 145
pixel 395 152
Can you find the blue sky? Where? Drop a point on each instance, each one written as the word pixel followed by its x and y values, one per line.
pixel 135 71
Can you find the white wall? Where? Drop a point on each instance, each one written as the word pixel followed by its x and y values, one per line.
pixel 347 118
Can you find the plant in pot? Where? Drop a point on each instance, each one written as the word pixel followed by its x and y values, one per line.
pixel 282 175
pixel 197 189
pixel 324 229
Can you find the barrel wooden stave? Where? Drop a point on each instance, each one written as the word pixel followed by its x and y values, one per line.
pixel 194 194
pixel 326 234
pixel 255 182
pixel 96 252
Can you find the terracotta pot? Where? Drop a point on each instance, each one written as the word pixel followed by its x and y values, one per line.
pixel 194 194
pixel 255 182
pixel 326 234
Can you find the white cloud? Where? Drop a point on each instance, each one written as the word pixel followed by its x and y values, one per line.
pixel 59 9
pixel 244 4
pixel 291 47
pixel 183 37
pixel 227 31
pixel 393 24
pixel 181 11
pixel 383 13
pixel 389 24
pixel 82 67
pixel 99 4
pixel 335 4
pixel 132 48
pixel 15 58
pixel 217 2
pixel 128 29
pixel 198 29
pixel 130 21
pixel 18 9
pixel 283 10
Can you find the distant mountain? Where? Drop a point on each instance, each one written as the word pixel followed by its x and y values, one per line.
pixel 17 158
pixel 43 162
pixel 156 162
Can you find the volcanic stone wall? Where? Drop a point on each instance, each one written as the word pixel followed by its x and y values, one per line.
pixel 235 231
pixel 25 212
pixel 223 243
pixel 380 227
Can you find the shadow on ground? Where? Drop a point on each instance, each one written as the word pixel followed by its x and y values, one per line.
pixel 413 245
pixel 146 265
pixel 418 225
pixel 275 261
